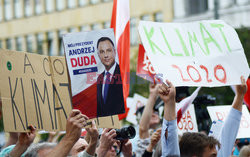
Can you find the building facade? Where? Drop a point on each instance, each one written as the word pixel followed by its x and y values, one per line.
pixel 234 12
pixel 38 25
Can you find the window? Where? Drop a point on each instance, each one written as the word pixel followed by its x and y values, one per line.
pixel 94 1
pixel 96 26
pixel 158 17
pixel 106 0
pixel 1 12
pixel 18 8
pixel 61 48
pixel 50 40
pixel 73 29
pixel 27 7
pixel 60 5
pixel 40 40
pixel 146 18
pixel 196 6
pixel 49 6
pixel 29 43
pixel 85 28
pixel 1 44
pixel 71 3
pixel 38 7
pixel 19 44
pixel 8 10
pixel 106 24
pixel 83 2
pixel 8 44
pixel 133 32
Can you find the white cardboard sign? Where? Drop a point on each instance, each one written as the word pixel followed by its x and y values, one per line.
pixel 221 112
pixel 188 121
pixel 202 53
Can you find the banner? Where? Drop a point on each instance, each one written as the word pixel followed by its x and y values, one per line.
pixel 188 122
pixel 221 112
pixel 203 53
pixel 94 71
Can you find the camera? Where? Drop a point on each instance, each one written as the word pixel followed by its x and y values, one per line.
pixel 124 133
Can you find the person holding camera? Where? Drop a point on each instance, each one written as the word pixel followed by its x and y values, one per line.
pixel 110 147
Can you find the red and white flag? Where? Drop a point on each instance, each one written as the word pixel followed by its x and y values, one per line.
pixel 247 95
pixel 121 25
pixel 185 103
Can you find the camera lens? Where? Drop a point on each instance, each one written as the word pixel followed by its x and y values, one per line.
pixel 125 133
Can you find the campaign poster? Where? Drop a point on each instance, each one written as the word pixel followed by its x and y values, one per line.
pixel 93 67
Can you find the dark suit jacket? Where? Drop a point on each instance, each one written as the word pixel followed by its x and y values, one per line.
pixel 115 102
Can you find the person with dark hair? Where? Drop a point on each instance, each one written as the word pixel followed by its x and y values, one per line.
pixel 109 84
pixel 197 144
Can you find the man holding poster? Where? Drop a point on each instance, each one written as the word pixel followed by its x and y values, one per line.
pixel 109 84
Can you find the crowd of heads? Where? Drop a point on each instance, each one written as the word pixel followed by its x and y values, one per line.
pixel 149 140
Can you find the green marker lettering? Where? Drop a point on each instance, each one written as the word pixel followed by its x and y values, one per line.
pixel 219 26
pixel 209 39
pixel 194 39
pixel 184 47
pixel 151 43
pixel 165 39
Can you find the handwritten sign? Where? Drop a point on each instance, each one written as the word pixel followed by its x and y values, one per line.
pixel 188 122
pixel 35 90
pixel 221 112
pixel 203 53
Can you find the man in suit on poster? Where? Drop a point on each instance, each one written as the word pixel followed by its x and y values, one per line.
pixel 109 84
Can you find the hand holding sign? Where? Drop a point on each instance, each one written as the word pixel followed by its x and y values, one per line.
pixel 240 92
pixel 75 123
pixel 167 94
pixel 25 139
pixel 241 89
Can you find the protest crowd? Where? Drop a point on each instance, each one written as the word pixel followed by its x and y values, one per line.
pixel 162 141
pixel 67 98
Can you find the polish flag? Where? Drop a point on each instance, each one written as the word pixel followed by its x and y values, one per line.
pixel 185 103
pixel 247 95
pixel 121 25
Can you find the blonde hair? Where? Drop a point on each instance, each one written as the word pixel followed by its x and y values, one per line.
pixel 245 151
